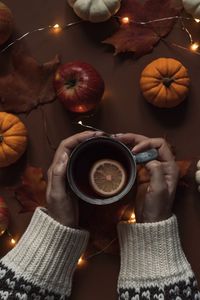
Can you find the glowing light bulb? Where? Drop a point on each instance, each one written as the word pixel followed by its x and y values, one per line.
pixel 80 122
pixel 197 20
pixel 12 241
pixel 132 218
pixel 194 46
pixel 125 20
pixel 80 261
pixel 56 28
pixel 2 232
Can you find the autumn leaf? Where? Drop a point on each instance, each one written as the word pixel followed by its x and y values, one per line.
pixel 143 174
pixel 139 38
pixel 184 166
pixel 32 191
pixel 28 84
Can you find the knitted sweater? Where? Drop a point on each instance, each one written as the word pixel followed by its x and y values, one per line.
pixel 153 265
pixel 41 266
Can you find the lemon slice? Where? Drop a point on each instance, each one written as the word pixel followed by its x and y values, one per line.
pixel 107 177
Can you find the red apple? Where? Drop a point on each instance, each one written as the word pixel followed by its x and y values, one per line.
pixel 78 86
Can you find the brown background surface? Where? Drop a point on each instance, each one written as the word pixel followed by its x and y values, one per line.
pixel 123 110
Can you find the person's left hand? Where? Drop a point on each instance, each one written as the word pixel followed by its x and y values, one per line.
pixel 59 203
pixel 154 201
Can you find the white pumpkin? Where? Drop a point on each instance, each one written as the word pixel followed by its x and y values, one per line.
pixel 192 7
pixel 197 175
pixel 95 10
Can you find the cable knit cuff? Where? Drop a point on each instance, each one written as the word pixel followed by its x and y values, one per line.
pixel 47 253
pixel 151 253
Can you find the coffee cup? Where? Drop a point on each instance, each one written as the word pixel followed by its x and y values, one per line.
pixel 86 154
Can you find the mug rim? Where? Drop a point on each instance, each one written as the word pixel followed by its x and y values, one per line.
pixel 109 200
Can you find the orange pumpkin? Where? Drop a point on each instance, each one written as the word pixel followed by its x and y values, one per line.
pixel 13 139
pixel 165 82
pixel 6 23
pixel 4 216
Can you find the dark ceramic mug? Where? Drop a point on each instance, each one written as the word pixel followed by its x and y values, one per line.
pixel 87 153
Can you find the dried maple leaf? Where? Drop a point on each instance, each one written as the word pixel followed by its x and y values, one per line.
pixel 32 191
pixel 29 84
pixel 143 174
pixel 138 38
pixel 184 166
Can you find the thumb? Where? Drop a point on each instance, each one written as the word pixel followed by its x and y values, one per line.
pixel 157 178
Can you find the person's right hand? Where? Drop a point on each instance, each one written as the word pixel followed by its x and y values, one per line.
pixel 157 199
pixel 59 203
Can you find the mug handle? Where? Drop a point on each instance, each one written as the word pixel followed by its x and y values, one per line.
pixel 146 156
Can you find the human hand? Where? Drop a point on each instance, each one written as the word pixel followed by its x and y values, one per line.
pixel 59 203
pixel 154 201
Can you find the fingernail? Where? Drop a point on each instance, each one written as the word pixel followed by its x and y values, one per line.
pixel 97 133
pixel 134 149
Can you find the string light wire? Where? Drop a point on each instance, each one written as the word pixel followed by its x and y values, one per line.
pixel 101 251
pixel 184 28
pixel 83 259
pixel 12 240
pixel 56 28
pixel 194 46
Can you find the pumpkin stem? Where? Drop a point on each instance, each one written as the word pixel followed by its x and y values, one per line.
pixel 1 138
pixel 168 81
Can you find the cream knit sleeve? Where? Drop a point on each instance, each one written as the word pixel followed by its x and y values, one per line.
pixel 153 265
pixel 42 264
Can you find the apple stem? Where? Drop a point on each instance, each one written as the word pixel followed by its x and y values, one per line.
pixel 70 83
